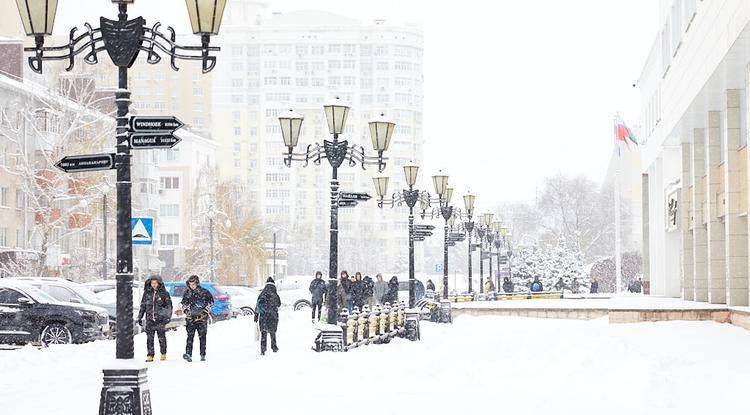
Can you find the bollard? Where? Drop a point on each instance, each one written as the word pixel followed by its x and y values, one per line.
pixel 384 321
pixel 412 324
pixel 446 314
pixel 392 329
pixel 351 328
pixel 374 324
pixel 343 317
pixel 364 317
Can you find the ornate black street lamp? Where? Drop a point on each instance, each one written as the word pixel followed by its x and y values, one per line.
pixel 336 152
pixel 469 200
pixel 484 233
pixel 125 389
pixel 409 196
pixel 445 211
pixel 497 226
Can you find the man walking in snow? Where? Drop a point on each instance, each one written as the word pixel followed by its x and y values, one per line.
pixel 267 315
pixel 380 289
pixel 318 291
pixel 369 291
pixel 358 291
pixel 196 304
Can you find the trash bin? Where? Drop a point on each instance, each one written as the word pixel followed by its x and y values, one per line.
pixel 446 315
pixel 412 324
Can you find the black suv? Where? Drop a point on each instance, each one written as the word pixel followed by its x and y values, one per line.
pixel 28 315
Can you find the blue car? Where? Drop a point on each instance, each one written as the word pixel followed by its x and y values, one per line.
pixel 222 308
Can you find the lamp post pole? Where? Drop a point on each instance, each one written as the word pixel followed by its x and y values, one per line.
pixel 480 235
pixel 469 228
pixel 490 237
pixel 447 212
pixel 212 261
pixel 104 245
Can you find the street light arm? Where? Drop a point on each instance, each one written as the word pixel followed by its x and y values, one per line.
pixel 149 40
pixel 315 154
pixel 357 154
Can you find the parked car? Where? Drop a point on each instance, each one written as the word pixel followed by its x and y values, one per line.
pixel 222 308
pixel 29 315
pixel 106 291
pixel 69 292
pixel 243 298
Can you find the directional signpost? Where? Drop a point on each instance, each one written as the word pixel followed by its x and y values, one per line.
pixel 347 203
pixel 456 235
pixel 86 162
pixel 150 132
pixel 424 227
pixel 360 197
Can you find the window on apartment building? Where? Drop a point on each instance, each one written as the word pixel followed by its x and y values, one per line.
pixel 170 209
pixel 381 66
pixel 236 99
pixel 169 182
pixel 237 147
pixel 85 240
pixel 253 131
pixel 334 65
pixel 285 65
pixel 4 237
pixel 169 239
pixel 171 154
pixel 237 83
pixel 269 81
pixel 20 199
pixel 253 100
pixel 20 243
pixel 743 118
pixel 366 99
pixel 252 51
pixel 236 116
pixel 237 163
pixel 301 66
pixel 334 48
pixel 318 66
pixel 348 64
pixel 365 50
pixel 381 50
pixel 4 197
pixel 722 138
pixel 301 50
pixel 301 82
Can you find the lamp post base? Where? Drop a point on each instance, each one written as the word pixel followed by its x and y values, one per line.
pixel 125 392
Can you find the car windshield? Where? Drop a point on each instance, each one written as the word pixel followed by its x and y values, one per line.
pixel 39 295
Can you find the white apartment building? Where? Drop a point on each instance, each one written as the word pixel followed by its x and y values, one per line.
pixel 182 172
pixel 301 60
pixel 695 200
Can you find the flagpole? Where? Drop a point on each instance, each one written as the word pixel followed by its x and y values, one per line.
pixel 618 259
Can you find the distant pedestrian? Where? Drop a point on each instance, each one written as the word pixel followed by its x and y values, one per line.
pixel 560 285
pixel 574 286
pixel 489 286
pixel 391 295
pixel 369 291
pixel 594 286
pixel 156 307
pixel 507 285
pixel 343 292
pixel 358 291
pixel 318 292
pixel 536 286
pixel 267 315
pixel 430 285
pixel 196 304
pixel 381 287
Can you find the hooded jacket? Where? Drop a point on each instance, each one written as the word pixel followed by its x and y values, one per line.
pixel 318 290
pixel 267 308
pixel 156 305
pixel 369 286
pixel 197 303
pixel 391 296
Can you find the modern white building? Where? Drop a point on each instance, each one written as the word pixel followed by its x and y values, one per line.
pixel 183 171
pixel 271 63
pixel 695 200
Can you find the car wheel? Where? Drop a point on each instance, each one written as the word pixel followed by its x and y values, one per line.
pixel 55 333
pixel 247 311
pixel 301 304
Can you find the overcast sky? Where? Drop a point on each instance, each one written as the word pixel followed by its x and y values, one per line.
pixel 515 90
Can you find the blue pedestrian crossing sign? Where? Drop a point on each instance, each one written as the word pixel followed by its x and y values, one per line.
pixel 142 230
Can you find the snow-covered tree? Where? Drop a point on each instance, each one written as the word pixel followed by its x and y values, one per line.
pixel 549 264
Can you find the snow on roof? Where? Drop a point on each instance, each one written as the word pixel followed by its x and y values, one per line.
pixel 310 18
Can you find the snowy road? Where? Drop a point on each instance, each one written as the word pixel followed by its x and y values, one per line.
pixel 479 364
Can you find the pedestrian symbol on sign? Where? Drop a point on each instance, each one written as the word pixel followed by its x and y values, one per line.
pixel 142 230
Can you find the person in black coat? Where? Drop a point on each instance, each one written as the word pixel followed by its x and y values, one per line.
pixel 156 307
pixel 594 286
pixel 318 291
pixel 267 315
pixel 507 285
pixel 196 304
pixel 430 285
pixel 369 291
pixel 358 291
pixel 391 295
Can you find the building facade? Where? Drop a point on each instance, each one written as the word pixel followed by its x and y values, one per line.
pixel 695 200
pixel 301 60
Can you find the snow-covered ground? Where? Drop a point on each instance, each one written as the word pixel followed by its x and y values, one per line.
pixel 477 365
pixel 622 301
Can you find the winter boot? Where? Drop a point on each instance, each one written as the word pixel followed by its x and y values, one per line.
pixel 203 358
pixel 187 357
pixel 149 359
pixel 274 349
pixel 163 357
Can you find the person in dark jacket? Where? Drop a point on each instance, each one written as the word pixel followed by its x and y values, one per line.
pixel 430 285
pixel 196 304
pixel 507 285
pixel 536 286
pixel 560 285
pixel 318 291
pixel 343 292
pixel 594 286
pixel 267 315
pixel 575 286
pixel 358 291
pixel 369 291
pixel 156 307
pixel 391 295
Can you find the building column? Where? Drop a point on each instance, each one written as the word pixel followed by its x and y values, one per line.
pixel 735 221
pixel 714 210
pixel 700 238
pixel 646 263
pixel 687 283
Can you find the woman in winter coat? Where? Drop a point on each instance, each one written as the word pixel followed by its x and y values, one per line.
pixel 358 291
pixel 391 296
pixel 343 292
pixel 369 291
pixel 267 315
pixel 594 286
pixel 156 307
pixel 507 285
